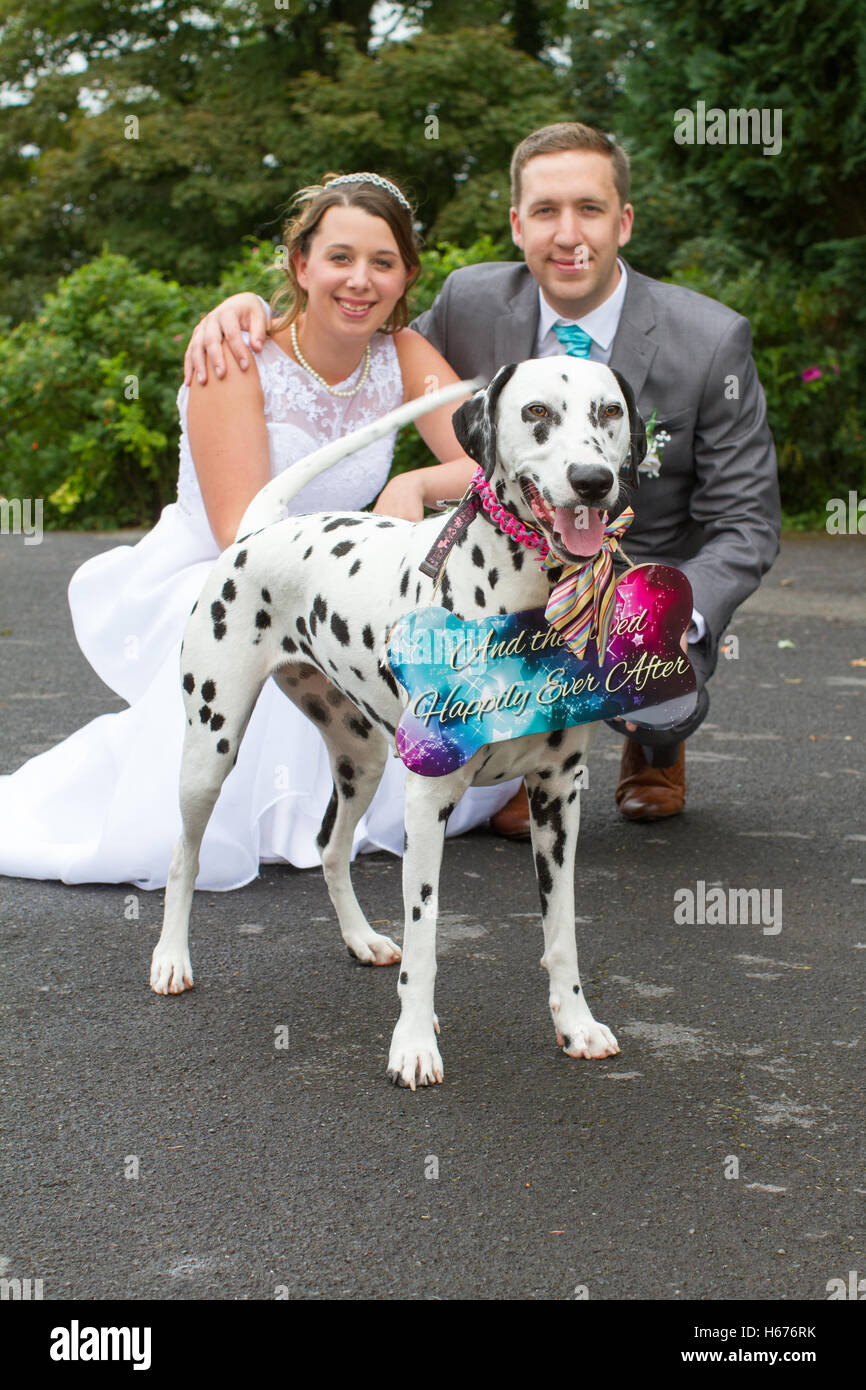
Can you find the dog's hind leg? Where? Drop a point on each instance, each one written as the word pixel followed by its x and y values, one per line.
pixel 554 811
pixel 414 1055
pixel 210 750
pixel 357 752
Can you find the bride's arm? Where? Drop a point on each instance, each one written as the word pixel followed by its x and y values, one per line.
pixel 228 440
pixel 424 369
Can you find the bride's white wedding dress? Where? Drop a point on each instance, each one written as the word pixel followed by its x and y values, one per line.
pixel 102 806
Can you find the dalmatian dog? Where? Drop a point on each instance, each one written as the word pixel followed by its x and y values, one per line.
pixel 310 600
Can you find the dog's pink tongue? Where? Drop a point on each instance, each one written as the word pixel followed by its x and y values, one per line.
pixel 582 532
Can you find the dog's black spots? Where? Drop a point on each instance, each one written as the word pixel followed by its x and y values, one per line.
pixel 308 652
pixel 564 377
pixel 357 725
pixel 208 691
pixel 307 553
pixel 478 556
pixel 205 713
pixel 547 814
pixel 355 672
pixel 555 739
pixel 426 890
pixel 217 722
pixel 575 989
pixel 229 592
pixel 347 789
pixel 334 698
pixel 368 638
pixel 340 629
pixel 385 525
pixel 390 727
pixel 240 559
pixel 416 914
pixel 326 829
pixel 404 978
pixel 566 1040
pixel 355 566
pixel 343 548
pixel 217 611
pixel 405 840
pixel 263 620
pixel 571 761
pixel 346 769
pixel 517 557
pixel 314 709
pixel 389 680
pixel 189 682
pixel 404 583
pixel 545 880
pixel 320 608
pixel 266 596
pixel 564 407
pixel 223 746
pixel 288 645
pixel 302 627
pixel 545 774
pixel 445 594
pixel 571 797
pixel 499 489
pixel 418 591
pixel 541 433
pixel 342 521
pixel 493 578
pixel 445 811
pixel 480 597
pixel 333 665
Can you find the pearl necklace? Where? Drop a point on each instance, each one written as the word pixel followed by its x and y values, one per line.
pixel 321 380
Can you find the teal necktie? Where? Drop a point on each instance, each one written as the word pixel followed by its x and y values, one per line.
pixel 575 340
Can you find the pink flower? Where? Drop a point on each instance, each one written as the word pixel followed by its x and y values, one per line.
pixel 812 374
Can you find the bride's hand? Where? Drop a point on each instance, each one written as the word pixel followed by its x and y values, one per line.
pixel 403 497
pixel 227 320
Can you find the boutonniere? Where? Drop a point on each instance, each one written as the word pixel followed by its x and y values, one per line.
pixel 656 440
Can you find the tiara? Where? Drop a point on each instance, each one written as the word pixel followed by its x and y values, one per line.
pixel 371 178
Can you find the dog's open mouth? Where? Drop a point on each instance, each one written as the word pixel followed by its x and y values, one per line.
pixel 576 533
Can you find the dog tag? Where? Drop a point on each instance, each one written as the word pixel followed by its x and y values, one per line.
pixel 491 679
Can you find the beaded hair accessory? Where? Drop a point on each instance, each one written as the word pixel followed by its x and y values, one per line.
pixel 371 178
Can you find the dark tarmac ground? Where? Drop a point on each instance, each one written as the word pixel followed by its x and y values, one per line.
pixel 170 1149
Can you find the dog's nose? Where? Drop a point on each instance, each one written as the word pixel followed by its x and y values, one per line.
pixel 590 484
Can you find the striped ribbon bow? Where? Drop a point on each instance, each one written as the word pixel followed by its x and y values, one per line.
pixel 583 601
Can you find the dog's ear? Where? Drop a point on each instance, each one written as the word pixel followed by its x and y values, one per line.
pixel 475 421
pixel 636 427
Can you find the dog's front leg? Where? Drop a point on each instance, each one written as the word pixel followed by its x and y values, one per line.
pixel 554 810
pixel 414 1057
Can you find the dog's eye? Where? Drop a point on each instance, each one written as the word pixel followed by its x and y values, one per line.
pixel 539 411
pixel 611 412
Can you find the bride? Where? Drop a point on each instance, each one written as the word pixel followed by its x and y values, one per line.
pixel 102 806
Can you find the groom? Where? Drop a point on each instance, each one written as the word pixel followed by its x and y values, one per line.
pixel 708 501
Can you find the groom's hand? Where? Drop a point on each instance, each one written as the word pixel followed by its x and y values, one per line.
pixel 227 320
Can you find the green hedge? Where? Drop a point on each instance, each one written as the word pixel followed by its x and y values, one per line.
pixel 88 389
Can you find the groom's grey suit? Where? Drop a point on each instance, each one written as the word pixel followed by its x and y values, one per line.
pixel 714 508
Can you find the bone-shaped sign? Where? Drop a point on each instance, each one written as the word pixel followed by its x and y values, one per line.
pixel 479 682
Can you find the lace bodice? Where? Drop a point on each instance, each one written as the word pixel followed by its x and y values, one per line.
pixel 301 415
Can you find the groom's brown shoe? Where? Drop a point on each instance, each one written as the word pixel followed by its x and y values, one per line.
pixel 649 793
pixel 513 820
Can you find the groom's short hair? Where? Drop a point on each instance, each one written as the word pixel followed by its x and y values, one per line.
pixel 570 135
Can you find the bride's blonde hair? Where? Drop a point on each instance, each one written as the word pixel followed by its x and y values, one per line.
pixel 311 204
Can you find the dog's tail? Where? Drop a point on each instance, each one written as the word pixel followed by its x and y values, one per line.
pixel 270 503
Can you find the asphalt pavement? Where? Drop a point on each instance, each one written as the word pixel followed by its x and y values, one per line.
pixel 242 1142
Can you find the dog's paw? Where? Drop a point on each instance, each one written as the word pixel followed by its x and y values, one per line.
pixel 373 949
pixel 170 971
pixel 414 1063
pixel 588 1040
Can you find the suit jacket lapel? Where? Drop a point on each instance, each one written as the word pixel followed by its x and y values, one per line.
pixel 516 330
pixel 633 348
